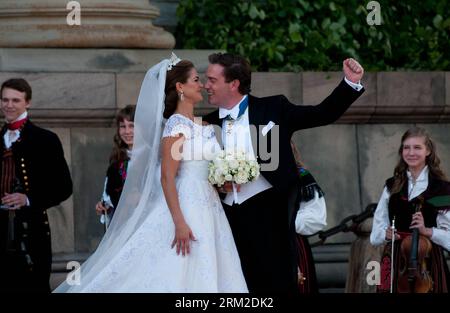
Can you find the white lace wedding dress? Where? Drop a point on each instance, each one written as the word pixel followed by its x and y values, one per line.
pixel 146 263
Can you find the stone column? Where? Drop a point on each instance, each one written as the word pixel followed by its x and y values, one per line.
pixel 104 24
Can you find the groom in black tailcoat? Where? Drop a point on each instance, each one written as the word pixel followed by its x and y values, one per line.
pixel 262 213
pixel 34 176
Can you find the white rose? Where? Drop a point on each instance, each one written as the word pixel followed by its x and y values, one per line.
pixel 219 180
pixel 225 172
pixel 233 164
pixel 223 168
pixel 241 178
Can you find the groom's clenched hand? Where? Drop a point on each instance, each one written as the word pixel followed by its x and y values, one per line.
pixel 353 70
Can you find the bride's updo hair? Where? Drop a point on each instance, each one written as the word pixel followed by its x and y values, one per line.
pixel 178 74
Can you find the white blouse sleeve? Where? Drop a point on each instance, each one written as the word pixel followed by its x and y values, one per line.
pixel 441 233
pixel 311 216
pixel 105 196
pixel 380 220
pixel 107 200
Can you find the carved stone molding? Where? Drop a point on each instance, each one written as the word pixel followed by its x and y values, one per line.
pixel 104 24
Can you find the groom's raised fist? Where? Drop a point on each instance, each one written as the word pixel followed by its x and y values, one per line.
pixel 353 70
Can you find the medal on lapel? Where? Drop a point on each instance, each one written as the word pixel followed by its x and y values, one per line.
pixel 229 125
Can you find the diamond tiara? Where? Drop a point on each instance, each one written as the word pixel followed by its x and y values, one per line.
pixel 173 61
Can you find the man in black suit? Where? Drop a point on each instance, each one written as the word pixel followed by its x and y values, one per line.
pixel 34 177
pixel 262 214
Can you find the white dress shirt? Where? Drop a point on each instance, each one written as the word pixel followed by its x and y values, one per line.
pixel 236 137
pixel 357 86
pixel 441 233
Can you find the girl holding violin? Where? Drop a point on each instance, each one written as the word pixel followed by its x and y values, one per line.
pixel 417 200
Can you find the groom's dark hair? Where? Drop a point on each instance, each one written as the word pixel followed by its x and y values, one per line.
pixel 234 67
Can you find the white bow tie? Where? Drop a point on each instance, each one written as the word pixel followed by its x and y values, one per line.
pixel 225 112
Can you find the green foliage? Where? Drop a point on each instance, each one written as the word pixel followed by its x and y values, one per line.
pixel 294 35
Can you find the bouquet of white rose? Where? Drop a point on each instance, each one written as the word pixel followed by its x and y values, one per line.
pixel 234 167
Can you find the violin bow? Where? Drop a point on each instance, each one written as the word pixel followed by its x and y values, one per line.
pixel 392 254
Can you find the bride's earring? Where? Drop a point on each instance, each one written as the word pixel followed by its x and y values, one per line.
pixel 181 96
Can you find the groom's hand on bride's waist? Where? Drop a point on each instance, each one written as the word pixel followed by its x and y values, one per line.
pixel 228 187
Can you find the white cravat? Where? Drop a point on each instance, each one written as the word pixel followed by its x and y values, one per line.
pixel 11 136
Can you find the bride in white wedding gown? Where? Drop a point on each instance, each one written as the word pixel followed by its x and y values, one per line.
pixel 175 238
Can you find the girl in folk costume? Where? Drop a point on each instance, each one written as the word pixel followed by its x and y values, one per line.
pixel 416 197
pixel 118 164
pixel 311 218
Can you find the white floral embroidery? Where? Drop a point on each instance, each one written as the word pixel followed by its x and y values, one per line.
pixel 200 143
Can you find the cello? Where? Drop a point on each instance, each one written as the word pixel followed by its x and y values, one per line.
pixel 413 275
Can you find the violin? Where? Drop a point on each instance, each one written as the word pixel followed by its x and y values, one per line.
pixel 413 275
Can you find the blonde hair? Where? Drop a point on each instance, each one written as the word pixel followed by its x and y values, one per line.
pixel 432 160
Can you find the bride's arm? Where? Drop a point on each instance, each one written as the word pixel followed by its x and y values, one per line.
pixel 169 168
